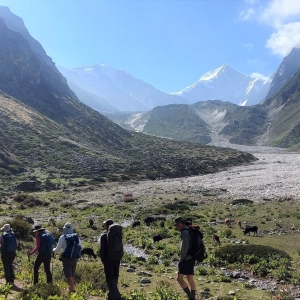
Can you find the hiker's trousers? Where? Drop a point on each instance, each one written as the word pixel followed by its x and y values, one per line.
pixel 111 269
pixel 42 258
pixel 7 260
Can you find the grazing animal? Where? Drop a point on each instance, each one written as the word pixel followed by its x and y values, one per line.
pixel 29 220
pixel 91 221
pixel 228 222
pixel 251 229
pixel 162 224
pixel 89 252
pixel 157 238
pixel 239 224
pixel 216 239
pixel 149 220
pixel 136 223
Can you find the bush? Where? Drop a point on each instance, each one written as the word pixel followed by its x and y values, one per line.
pixel 91 273
pixel 21 228
pixel 41 290
pixel 236 253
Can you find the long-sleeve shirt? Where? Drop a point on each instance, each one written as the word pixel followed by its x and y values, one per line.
pixel 185 244
pixel 62 244
pixel 38 243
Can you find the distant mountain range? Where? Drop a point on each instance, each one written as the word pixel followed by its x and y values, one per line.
pixel 227 84
pixel 116 88
pixel 44 125
pixel 274 122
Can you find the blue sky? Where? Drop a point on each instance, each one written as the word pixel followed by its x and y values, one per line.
pixel 169 44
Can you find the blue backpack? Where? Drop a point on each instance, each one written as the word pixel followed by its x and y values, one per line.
pixel 73 247
pixel 48 242
pixel 9 243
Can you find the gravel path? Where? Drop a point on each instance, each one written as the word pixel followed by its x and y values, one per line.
pixel 275 175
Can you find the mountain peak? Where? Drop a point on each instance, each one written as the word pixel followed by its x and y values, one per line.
pixel 217 72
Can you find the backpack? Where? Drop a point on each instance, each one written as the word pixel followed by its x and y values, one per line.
pixel 115 249
pixel 73 247
pixel 48 242
pixel 9 243
pixel 197 248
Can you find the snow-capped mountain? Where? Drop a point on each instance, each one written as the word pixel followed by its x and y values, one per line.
pixel 227 84
pixel 116 87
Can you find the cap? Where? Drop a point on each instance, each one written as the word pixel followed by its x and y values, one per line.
pixel 179 220
pixel 108 222
pixel 68 229
pixel 6 227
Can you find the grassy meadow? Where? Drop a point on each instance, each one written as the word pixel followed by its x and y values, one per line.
pixel 272 256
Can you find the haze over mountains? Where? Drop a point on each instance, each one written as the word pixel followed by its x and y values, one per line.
pixel 274 122
pixel 44 125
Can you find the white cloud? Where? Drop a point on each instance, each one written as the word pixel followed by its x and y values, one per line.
pixel 283 16
pixel 285 38
pixel 260 76
pixel 247 14
pixel 248 46
pixel 280 12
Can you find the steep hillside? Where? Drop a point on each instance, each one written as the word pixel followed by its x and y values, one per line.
pixel 31 140
pixel 202 122
pixel 284 115
pixel 287 69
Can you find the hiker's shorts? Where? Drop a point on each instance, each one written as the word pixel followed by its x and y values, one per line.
pixel 69 266
pixel 186 267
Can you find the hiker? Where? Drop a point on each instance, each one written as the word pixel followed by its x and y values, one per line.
pixel 71 245
pixel 44 242
pixel 9 245
pixel 111 254
pixel 187 262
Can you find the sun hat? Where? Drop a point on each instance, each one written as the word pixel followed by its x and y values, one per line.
pixel 6 228
pixel 68 229
pixel 37 228
pixel 108 222
pixel 179 220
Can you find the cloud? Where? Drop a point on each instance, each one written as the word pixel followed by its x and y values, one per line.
pixel 281 15
pixel 260 76
pixel 248 46
pixel 246 15
pixel 285 38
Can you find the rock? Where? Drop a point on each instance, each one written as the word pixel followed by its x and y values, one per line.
pixel 231 293
pixel 145 280
pixel 131 270
pixel 144 273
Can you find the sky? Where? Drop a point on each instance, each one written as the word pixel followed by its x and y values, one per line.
pixel 169 44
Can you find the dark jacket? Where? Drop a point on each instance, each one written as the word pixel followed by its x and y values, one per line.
pixel 103 246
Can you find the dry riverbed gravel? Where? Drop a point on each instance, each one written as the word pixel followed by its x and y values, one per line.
pixel 275 175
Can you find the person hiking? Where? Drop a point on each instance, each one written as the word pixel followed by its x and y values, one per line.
pixel 44 242
pixel 71 245
pixel 187 262
pixel 111 252
pixel 9 245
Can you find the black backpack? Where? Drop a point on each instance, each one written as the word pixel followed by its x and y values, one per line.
pixel 115 249
pixel 196 248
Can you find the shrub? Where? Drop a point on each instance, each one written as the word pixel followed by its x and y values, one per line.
pixel 41 290
pixel 21 228
pixel 91 273
pixel 165 291
pixel 234 253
